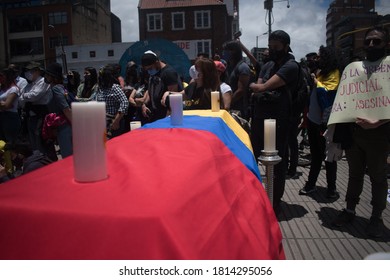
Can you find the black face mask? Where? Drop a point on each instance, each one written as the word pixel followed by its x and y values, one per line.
pixel 275 55
pixel 375 54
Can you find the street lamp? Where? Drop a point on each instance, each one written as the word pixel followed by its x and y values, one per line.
pixel 257 38
pixel 63 54
pixel 268 5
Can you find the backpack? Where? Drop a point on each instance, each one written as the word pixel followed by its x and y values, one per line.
pixel 300 97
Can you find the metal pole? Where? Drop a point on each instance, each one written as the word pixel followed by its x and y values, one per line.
pixel 269 21
pixel 269 159
pixel 63 57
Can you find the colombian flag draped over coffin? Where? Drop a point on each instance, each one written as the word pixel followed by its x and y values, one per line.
pixel 188 192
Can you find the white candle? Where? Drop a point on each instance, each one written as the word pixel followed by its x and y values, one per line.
pixel 269 135
pixel 176 103
pixel 89 137
pixel 135 125
pixel 215 105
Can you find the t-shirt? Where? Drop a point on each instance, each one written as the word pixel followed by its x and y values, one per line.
pixel 289 72
pixel 241 68
pixel 4 95
pixel 58 103
pixel 225 88
pixel 158 85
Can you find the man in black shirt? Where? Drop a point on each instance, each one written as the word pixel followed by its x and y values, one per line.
pixel 162 78
pixel 278 79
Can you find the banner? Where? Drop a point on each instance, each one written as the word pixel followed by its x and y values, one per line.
pixel 364 92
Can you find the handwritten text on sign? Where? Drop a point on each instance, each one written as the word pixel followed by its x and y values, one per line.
pixel 364 92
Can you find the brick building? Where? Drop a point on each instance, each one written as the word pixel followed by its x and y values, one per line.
pixel 194 25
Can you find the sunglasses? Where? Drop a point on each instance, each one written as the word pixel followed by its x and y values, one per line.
pixel 375 42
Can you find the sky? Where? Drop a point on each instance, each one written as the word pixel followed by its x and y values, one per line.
pixel 304 21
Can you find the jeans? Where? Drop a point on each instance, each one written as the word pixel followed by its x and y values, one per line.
pixel 317 150
pixel 370 148
pixel 64 138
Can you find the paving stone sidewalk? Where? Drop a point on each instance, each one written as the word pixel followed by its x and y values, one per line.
pixel 305 221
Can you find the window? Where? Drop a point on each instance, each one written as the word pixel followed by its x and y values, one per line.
pixel 110 52
pixel 24 23
pixel 58 18
pixel 154 22
pixel 178 21
pixel 202 19
pixel 26 46
pixel 92 54
pixel 203 47
pixel 75 55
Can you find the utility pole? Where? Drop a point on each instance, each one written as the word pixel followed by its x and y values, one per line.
pixel 268 5
pixel 63 54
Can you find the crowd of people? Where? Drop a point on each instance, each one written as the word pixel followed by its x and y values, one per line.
pixel 36 109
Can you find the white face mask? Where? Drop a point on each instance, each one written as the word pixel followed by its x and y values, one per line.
pixel 29 75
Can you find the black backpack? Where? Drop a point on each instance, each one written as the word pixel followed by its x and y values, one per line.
pixel 300 97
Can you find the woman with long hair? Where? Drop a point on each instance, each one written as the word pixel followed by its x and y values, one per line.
pixel 197 95
pixel 326 82
pixel 116 101
pixel 87 90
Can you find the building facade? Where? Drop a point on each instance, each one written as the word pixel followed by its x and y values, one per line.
pixel 346 24
pixel 196 26
pixel 32 30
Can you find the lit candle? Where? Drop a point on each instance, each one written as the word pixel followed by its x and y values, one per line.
pixel 269 135
pixel 89 150
pixel 176 103
pixel 135 125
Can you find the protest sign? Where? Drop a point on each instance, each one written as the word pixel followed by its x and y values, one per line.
pixel 364 92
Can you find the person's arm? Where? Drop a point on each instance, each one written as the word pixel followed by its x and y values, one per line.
pixel 166 94
pixel 36 92
pixel 7 104
pixel 273 83
pixel 68 114
pixel 243 81
pixel 252 59
pixel 370 124
pixel 145 110
pixel 132 98
pixel 124 105
pixel 227 100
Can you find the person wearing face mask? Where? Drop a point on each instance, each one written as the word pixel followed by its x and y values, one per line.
pixel 238 76
pixel 278 77
pixel 162 78
pixel 87 90
pixel 369 147
pixel 34 99
pixel 326 81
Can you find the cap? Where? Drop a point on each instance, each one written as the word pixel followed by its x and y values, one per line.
pixel 54 70
pixel 193 72
pixel 33 65
pixel 131 64
pixel 282 36
pixel 148 58
pixel 220 66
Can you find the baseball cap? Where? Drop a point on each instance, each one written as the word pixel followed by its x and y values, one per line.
pixel 220 66
pixel 149 58
pixel 33 65
pixel 281 36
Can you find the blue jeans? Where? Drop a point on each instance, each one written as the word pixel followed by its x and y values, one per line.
pixel 64 138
